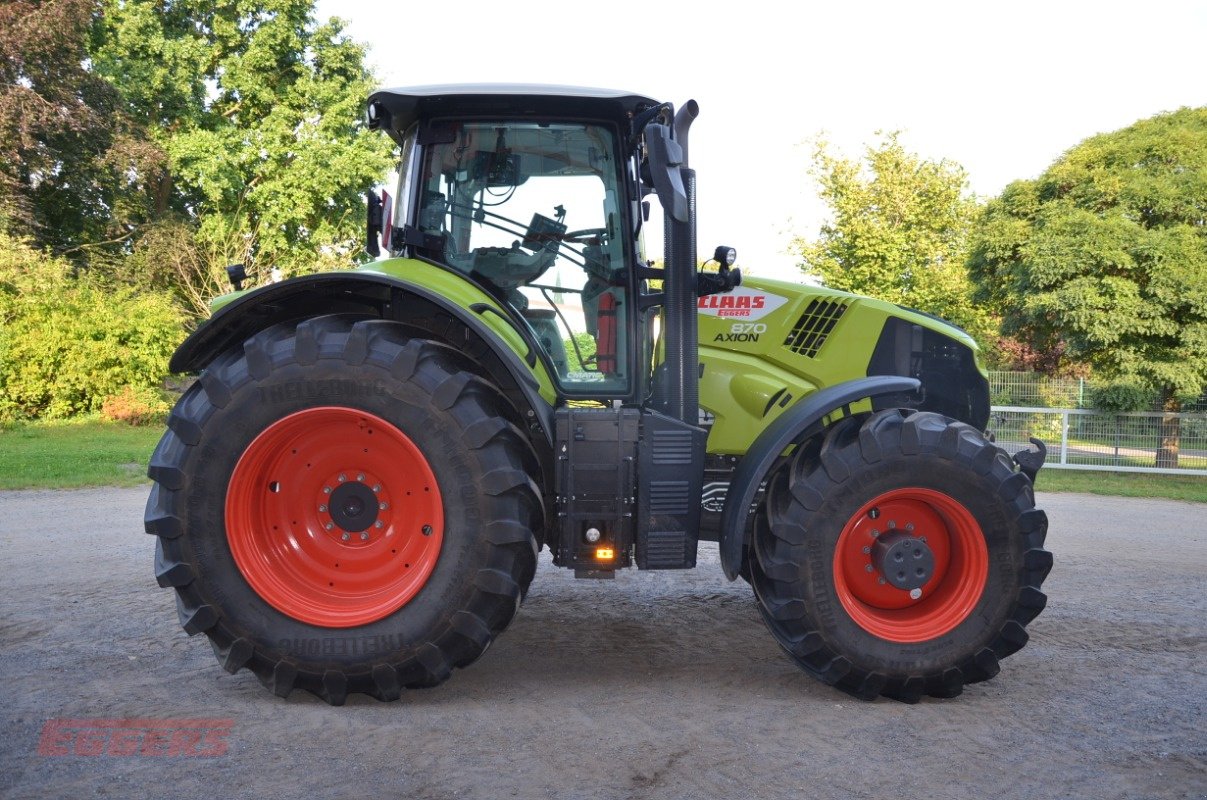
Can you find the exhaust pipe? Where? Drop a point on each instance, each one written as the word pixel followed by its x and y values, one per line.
pixel 683 120
pixel 682 335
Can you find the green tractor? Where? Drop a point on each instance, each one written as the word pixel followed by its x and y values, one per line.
pixel 353 494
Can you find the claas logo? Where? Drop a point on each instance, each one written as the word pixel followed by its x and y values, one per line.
pixel 724 301
pixel 741 303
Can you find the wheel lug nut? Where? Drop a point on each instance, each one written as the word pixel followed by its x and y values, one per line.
pixel 892 523
pixel 326 490
pixel 377 487
pixel 360 476
pixel 875 533
pixel 383 506
pixel 866 549
pixel 322 508
pixel 881 581
pixel 329 526
pixel 377 524
pixel 345 537
pixel 909 526
pixel 364 535
pixel 342 479
pixel 869 567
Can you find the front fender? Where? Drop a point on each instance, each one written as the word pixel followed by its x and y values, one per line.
pixel 786 431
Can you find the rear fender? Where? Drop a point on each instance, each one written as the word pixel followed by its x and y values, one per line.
pixel 384 296
pixel 788 429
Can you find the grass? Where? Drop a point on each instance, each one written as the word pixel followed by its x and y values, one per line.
pixel 1125 484
pixel 76 453
pixel 67 455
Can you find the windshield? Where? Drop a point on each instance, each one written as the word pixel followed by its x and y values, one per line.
pixel 531 211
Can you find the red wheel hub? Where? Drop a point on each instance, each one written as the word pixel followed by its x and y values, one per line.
pixel 935 552
pixel 334 517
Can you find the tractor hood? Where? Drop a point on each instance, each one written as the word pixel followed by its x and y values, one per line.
pixel 767 344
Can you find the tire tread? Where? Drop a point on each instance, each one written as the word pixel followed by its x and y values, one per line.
pixel 476 407
pixel 779 552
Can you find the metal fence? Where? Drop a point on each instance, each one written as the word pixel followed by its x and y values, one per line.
pixel 1094 440
pixel 1033 389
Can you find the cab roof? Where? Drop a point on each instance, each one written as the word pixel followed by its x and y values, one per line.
pixel 394 110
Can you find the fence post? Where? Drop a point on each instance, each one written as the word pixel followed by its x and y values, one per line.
pixel 1064 437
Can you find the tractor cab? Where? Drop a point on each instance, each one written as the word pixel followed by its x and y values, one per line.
pixel 542 208
pixel 532 209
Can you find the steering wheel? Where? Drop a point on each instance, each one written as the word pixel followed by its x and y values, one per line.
pixel 584 236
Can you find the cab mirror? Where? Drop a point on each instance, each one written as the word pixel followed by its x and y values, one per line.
pixel 373 228
pixel 665 157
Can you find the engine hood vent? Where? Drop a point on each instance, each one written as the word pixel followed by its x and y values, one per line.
pixel 814 326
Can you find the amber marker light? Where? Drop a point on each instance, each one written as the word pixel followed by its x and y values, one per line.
pixel 605 553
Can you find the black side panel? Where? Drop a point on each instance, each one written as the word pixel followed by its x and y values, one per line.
pixel 671 472
pixel 595 478
pixel 951 383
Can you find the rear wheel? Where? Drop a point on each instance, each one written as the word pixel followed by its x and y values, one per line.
pixel 900 554
pixel 342 509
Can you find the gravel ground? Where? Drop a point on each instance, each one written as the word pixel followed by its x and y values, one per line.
pixel 658 685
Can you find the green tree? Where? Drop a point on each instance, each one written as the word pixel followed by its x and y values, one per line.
pixel 67 150
pixel 68 343
pixel 258 109
pixel 1105 255
pixel 899 232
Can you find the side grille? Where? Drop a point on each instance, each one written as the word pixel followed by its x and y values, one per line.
pixel 814 326
pixel 668 497
pixel 672 447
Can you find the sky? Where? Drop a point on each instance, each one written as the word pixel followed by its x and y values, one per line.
pixel 1003 89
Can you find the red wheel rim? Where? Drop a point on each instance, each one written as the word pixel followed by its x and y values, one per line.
pixel 306 555
pixel 961 566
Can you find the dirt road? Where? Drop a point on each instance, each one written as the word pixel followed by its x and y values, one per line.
pixel 656 685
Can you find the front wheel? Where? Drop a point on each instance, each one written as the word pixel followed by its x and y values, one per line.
pixel 343 509
pixel 900 554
